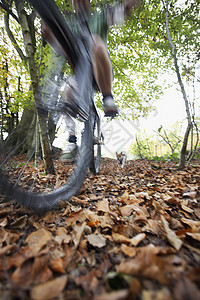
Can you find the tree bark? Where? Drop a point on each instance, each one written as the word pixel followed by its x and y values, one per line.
pixel 189 121
pixel 28 32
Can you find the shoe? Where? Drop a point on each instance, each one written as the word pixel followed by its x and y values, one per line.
pixel 69 154
pixel 109 107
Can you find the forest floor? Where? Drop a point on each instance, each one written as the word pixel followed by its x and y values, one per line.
pixel 132 233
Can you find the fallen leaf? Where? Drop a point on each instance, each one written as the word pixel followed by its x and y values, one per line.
pixel 190 194
pixel 163 294
pixel 7 249
pixel 57 265
pixel 38 239
pixel 118 295
pixel 172 237
pixel 127 210
pixel 73 217
pixel 151 226
pixel 88 282
pixel 119 238
pixel 195 225
pixel 186 289
pixel 77 233
pixel 127 250
pixel 20 222
pixel 3 222
pixel 50 289
pixel 195 236
pixel 148 264
pixel 106 221
pixel 96 240
pixel 62 236
pixel 137 239
pixel 187 209
pixel 103 205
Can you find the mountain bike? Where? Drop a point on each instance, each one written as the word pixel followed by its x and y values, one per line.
pixel 78 50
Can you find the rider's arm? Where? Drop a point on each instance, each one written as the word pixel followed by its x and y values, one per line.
pixel 51 40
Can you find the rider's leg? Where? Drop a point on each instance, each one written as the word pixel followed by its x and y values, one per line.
pixel 70 151
pixel 103 75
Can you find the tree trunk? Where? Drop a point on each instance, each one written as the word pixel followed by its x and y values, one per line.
pixel 139 149
pixel 24 131
pixel 29 43
pixel 189 126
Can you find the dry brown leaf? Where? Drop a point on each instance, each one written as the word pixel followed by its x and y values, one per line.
pixel 127 210
pixel 119 295
pixel 57 265
pixel 21 276
pixel 106 221
pixel 197 212
pixel 50 289
pixel 186 289
pixel 187 209
pixel 137 239
pixel 171 236
pixel 124 197
pixel 45 275
pixel 38 265
pixel 20 222
pixel 62 236
pixel 96 240
pixel 149 265
pixel 49 217
pixel 7 249
pixel 127 250
pixel 191 194
pixel 3 222
pixel 14 260
pixel 158 205
pixel 38 239
pixel 195 236
pixel 74 217
pixel 8 237
pixel 77 233
pixel 143 195
pixel 151 226
pixel 119 238
pixel 88 282
pixel 163 294
pixel 195 225
pixel 103 205
pixel 92 216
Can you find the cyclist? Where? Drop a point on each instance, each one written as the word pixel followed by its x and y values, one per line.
pixel 99 23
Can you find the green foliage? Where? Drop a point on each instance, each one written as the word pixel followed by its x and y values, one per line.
pixel 14 80
pixel 158 145
pixel 143 147
pixel 139 51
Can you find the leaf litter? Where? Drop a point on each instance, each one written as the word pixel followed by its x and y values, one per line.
pixel 131 233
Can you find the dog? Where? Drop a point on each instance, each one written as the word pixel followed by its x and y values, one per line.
pixel 121 159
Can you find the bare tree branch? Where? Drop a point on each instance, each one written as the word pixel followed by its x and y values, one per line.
pixel 6 7
pixel 12 38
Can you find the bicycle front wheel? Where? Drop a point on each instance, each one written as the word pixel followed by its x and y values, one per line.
pixel 24 187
